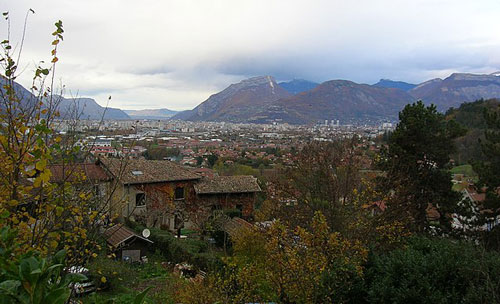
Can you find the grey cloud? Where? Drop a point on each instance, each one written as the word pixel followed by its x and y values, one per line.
pixel 177 53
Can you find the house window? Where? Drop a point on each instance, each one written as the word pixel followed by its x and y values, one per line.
pixel 179 193
pixel 140 199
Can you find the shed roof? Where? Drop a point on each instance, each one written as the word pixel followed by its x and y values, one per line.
pixel 236 225
pixel 141 171
pixel 119 234
pixel 227 184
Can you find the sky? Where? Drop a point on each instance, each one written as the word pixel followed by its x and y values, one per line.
pixel 176 53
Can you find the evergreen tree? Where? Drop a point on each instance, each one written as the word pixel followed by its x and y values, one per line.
pixel 416 164
pixel 489 174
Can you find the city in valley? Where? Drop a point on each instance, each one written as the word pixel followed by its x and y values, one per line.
pixel 190 143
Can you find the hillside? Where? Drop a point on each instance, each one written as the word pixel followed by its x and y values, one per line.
pixel 470 115
pixel 339 99
pixel 456 89
pixel 387 83
pixel 237 103
pixel 83 108
pixel 297 86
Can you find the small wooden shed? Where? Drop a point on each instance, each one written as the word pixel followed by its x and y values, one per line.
pixel 127 245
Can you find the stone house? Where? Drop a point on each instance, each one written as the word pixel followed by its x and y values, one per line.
pixel 167 195
pixel 151 190
pixel 229 192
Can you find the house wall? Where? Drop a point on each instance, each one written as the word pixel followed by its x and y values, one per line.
pixel 161 208
pixel 160 202
pixel 134 244
pixel 231 201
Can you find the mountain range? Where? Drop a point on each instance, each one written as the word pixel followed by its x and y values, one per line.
pixel 239 102
pixel 88 108
pixel 456 89
pixel 159 114
pixel 297 86
pixel 262 100
pixel 387 83
pixel 70 108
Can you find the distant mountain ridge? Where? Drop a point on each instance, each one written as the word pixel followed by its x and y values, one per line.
pixel 88 108
pixel 159 114
pixel 251 101
pixel 387 83
pixel 70 108
pixel 262 100
pixel 344 100
pixel 297 86
pixel 457 88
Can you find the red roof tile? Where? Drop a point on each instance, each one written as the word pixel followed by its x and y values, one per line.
pixel 141 171
pixel 77 172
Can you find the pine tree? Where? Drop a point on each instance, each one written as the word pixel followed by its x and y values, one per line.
pixel 416 164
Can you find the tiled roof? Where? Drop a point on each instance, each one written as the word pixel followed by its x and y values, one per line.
pixel 140 171
pixel 234 226
pixel 119 234
pixel 204 172
pixel 77 172
pixel 227 184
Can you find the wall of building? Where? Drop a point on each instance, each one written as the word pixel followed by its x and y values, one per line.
pixel 230 201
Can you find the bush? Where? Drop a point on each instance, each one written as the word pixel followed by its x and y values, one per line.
pixel 31 278
pixel 109 273
pixel 434 271
pixel 174 250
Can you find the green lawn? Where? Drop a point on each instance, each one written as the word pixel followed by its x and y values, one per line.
pixel 465 170
pixel 127 280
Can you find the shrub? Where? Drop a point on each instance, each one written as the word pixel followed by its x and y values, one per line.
pixel 435 271
pixel 30 278
pixel 174 250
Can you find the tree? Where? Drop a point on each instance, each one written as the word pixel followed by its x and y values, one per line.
pixel 30 278
pixel 416 165
pixel 434 271
pixel 279 264
pixel 49 214
pixel 489 173
pixel 323 178
pixel 211 160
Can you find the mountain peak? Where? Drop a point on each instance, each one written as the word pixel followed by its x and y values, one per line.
pixel 258 80
pixel 239 101
pixel 388 83
pixel 471 77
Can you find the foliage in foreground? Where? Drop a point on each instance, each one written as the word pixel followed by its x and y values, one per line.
pixel 434 271
pixel 416 163
pixel 285 266
pixel 29 278
pixel 49 214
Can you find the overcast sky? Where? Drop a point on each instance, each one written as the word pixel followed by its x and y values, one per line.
pixel 174 54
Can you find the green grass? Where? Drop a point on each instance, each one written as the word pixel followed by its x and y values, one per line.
pixel 188 232
pixel 465 170
pixel 127 280
pixel 458 187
